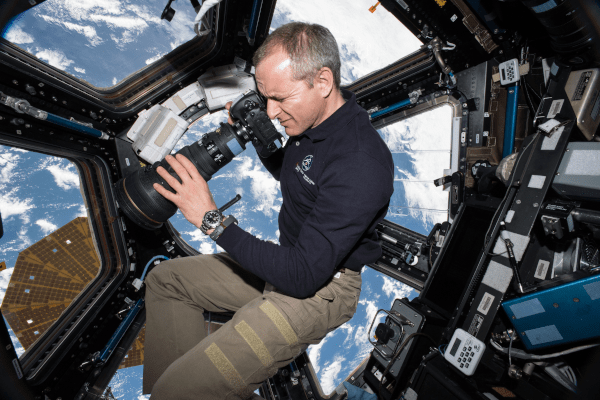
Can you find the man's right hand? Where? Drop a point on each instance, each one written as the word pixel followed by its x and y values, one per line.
pixel 227 107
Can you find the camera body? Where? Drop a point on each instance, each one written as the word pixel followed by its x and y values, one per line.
pixel 250 110
pixel 148 209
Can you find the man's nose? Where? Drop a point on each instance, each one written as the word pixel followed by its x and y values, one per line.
pixel 273 109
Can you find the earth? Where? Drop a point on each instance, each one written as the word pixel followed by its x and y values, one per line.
pixel 102 42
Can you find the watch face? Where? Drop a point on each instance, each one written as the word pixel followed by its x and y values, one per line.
pixel 212 218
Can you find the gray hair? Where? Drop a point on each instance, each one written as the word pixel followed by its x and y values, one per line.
pixel 309 46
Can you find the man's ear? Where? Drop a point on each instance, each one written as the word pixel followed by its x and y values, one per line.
pixel 324 82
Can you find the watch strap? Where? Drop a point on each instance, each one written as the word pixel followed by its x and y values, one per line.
pixel 221 228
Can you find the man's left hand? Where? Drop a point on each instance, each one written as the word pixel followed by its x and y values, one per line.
pixel 192 195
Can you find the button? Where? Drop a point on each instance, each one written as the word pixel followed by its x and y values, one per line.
pixel 297 143
pixel 472 354
pixel 469 360
pixel 470 348
pixel 462 365
pixel 460 359
pixel 467 365
pixel 462 354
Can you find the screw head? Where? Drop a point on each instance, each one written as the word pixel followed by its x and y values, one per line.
pixel 518 201
pixel 576 300
pixel 535 205
pixel 555 305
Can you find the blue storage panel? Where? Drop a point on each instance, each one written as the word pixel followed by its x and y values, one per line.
pixel 559 315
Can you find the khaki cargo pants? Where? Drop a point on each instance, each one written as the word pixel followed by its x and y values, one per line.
pixel 266 333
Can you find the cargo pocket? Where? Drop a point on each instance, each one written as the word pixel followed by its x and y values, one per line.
pixel 326 293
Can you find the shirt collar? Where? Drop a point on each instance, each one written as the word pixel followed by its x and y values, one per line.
pixel 336 121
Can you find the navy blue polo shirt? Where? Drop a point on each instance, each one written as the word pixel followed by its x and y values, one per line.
pixel 336 181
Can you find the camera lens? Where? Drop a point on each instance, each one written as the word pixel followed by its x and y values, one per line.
pixel 146 207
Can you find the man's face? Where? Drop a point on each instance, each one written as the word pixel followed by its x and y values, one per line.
pixel 297 106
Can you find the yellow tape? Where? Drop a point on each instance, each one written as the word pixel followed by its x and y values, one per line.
pixel 227 369
pixel 280 322
pixel 255 343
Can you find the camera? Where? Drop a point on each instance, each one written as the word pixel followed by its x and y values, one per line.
pixel 148 209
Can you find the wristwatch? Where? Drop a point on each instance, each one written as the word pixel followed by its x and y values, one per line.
pixel 219 229
pixel 213 218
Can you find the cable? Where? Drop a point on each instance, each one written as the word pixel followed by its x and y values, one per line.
pixel 395 356
pixel 509 185
pixel 442 352
pixel 509 349
pixel 527 356
pixel 527 98
pixel 150 262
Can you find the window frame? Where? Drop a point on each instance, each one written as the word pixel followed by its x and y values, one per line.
pixel 38 361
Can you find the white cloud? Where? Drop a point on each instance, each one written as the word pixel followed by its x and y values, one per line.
pixel 314 352
pixel 371 308
pixel 21 242
pixel 65 177
pixel 263 186
pixel 4 280
pixel 17 36
pixel 88 31
pixel 8 163
pixel 56 58
pixel 126 22
pixel 82 212
pixel 81 9
pixel 114 81
pixel 80 70
pixel 152 59
pixel 206 246
pixel 330 374
pixel 364 46
pixel 46 226
pixel 349 330
pixel 11 204
pixel 426 139
pixel 395 289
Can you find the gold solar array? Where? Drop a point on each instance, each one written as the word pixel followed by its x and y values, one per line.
pixel 47 276
pixel 135 355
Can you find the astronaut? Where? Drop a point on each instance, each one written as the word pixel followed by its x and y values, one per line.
pixel 336 177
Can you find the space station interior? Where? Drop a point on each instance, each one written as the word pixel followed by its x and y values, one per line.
pixel 509 285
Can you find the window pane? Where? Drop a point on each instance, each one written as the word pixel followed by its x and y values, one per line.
pixel 101 42
pixel 420 147
pixel 367 41
pixel 421 151
pixel 257 211
pixel 47 245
